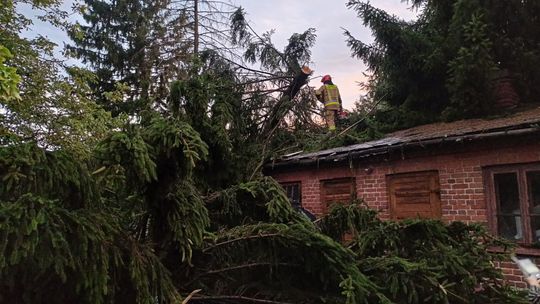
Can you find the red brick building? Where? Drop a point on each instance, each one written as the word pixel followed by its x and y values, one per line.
pixel 485 171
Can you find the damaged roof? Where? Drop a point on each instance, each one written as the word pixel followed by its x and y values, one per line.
pixel 464 130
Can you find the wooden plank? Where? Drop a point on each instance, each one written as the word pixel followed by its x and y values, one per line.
pixel 341 189
pixel 414 194
pixel 413 200
pixel 415 208
pixel 423 192
pixel 424 183
pixel 337 191
pixel 416 185
pixel 413 187
pixel 408 215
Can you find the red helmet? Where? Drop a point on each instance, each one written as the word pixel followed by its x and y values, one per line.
pixel 326 78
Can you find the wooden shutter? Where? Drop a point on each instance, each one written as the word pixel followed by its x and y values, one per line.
pixel 414 195
pixel 337 191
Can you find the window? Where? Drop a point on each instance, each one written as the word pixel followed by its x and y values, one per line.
pixel 513 193
pixel 294 193
pixel 413 195
pixel 340 190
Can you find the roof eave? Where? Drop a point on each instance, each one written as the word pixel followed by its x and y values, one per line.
pixel 376 151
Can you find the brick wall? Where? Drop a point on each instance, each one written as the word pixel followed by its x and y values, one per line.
pixel 460 171
pixel 512 273
pixel 460 177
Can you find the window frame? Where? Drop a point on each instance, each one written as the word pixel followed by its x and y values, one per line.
pixel 289 184
pixel 492 204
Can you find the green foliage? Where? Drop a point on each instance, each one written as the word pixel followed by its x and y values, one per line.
pixel 131 152
pixel 469 83
pixel 346 219
pixel 167 136
pixel 137 149
pixel 74 256
pixel 186 219
pixel 443 64
pixel 171 200
pixel 252 202
pixel 278 68
pixel 54 108
pixel 359 126
pixel 417 261
pixel 292 271
pixel 9 79
pixel 137 43
pixel 157 161
pixel 209 101
pixel 26 168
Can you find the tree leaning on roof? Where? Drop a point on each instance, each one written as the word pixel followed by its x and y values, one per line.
pixel 168 206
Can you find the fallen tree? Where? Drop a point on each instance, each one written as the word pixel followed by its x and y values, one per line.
pixel 284 105
pixel 170 206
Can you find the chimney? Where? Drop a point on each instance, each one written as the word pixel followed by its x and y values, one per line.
pixel 506 96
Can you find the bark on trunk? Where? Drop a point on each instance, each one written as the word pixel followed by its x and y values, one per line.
pixel 284 105
pixel 196 28
pixel 298 82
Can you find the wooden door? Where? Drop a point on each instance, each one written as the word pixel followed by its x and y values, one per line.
pixel 413 195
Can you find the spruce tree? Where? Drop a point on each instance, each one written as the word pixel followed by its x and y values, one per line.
pixel 135 45
pixel 50 102
pixel 443 64
pixel 151 214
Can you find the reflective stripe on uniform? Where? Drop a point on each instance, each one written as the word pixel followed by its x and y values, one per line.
pixel 329 104
pixel 332 95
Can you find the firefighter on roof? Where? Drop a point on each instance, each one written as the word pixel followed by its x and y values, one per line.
pixel 328 94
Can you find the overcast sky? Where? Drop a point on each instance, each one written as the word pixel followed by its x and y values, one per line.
pixel 330 55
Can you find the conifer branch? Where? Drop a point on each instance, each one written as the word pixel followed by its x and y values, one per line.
pixel 240 239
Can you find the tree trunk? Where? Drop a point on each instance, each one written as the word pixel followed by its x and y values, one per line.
pixel 298 82
pixel 284 104
pixel 196 28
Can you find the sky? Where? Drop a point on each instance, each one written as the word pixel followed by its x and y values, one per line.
pixel 330 55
